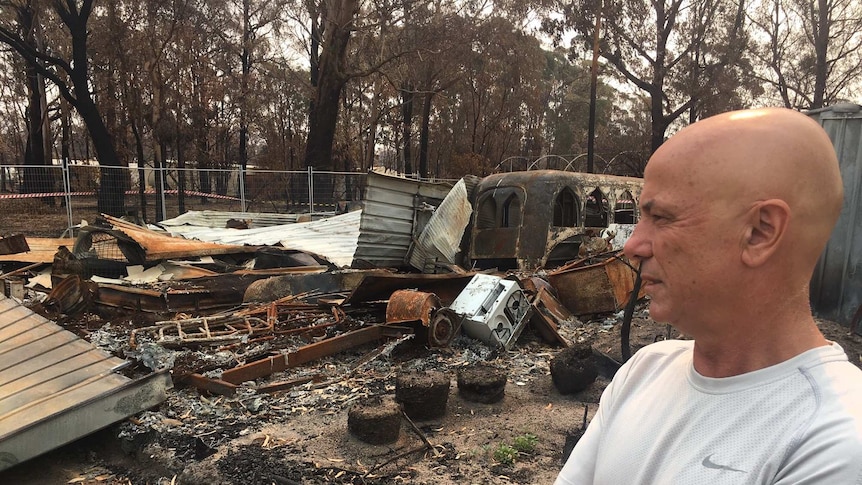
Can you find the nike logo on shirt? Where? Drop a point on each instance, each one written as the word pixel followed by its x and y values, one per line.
pixel 707 462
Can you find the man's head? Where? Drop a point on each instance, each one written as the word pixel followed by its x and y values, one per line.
pixel 735 210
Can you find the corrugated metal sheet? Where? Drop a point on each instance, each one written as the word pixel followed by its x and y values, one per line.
pixel 156 244
pixel 836 288
pixel 396 208
pixel 57 388
pixel 441 238
pixel 334 238
pixel 220 218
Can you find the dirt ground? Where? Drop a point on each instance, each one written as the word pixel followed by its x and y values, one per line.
pixel 301 435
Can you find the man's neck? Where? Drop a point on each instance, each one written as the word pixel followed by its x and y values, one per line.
pixel 737 354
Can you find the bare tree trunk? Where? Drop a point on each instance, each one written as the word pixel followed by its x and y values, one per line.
pixel 159 151
pixel 38 178
pixel 820 21
pixel 658 124
pixel 424 134
pixel 371 140
pixel 406 126
pixel 323 117
pixel 245 61
pixel 111 181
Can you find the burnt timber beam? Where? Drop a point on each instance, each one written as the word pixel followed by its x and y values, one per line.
pixel 308 353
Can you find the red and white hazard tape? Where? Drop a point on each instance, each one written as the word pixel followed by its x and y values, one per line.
pixel 36 195
pixel 42 194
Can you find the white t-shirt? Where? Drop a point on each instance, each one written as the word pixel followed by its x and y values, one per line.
pixel 660 422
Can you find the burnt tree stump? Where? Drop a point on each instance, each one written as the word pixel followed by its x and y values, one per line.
pixel 482 382
pixel 423 395
pixel 573 369
pixel 375 420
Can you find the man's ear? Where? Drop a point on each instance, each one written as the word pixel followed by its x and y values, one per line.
pixel 767 225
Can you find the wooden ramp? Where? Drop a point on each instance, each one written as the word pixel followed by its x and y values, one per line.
pixel 56 387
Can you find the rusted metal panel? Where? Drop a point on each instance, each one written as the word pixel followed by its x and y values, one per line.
pixel 308 353
pixel 380 286
pixel 158 246
pixel 548 312
pixel 204 293
pixel 254 370
pixel 395 212
pixel 132 298
pixel 594 285
pixel 330 282
pixel 70 297
pixel 215 386
pixel 58 388
pixel 344 342
pixel 13 244
pixel 526 220
pixel 836 286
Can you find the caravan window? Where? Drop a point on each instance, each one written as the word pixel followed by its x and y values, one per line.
pixel 596 209
pixel 566 209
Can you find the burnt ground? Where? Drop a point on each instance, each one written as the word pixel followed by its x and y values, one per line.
pixel 301 435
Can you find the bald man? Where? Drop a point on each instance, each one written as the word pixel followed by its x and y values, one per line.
pixel 735 211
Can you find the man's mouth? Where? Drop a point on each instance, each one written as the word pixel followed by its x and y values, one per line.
pixel 648 281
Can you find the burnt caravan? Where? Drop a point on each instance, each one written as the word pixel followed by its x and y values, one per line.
pixel 538 219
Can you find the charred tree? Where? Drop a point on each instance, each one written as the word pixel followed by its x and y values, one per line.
pixel 337 20
pixel 424 133
pixel 77 93
pixel 407 96
pixel 37 178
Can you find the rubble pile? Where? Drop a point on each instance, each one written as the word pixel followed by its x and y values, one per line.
pixel 258 326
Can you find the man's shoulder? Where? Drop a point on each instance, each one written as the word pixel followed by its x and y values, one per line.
pixel 829 368
pixel 835 425
pixel 841 381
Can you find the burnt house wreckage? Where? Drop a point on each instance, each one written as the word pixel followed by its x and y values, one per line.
pixel 249 311
pixel 526 220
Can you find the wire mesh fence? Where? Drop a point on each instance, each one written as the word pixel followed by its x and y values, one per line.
pixel 44 200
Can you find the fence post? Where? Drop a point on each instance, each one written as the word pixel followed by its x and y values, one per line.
pixel 161 172
pixel 311 190
pixel 67 191
pixel 242 187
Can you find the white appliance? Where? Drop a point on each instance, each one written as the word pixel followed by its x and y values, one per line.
pixel 493 309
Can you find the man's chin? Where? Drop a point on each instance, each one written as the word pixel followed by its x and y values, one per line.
pixel 658 313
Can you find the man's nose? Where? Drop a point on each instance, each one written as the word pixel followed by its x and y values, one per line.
pixel 638 246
